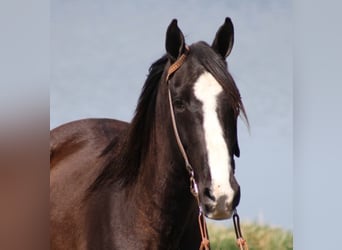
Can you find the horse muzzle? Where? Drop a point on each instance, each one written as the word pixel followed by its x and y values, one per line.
pixel 220 206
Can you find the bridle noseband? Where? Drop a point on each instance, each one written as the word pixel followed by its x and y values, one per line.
pixel 193 184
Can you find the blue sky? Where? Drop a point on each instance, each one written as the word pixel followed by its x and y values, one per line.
pixel 101 52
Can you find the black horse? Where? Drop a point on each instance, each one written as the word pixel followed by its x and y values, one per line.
pixel 118 185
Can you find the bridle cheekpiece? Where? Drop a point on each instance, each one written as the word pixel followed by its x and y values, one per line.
pixel 193 184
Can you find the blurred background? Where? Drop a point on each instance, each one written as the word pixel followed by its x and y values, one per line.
pixel 101 51
pixel 76 46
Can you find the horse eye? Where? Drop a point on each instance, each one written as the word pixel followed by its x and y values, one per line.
pixel 179 105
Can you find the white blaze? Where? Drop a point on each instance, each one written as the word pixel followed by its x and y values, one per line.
pixel 207 90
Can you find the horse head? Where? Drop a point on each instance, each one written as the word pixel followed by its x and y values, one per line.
pixel 206 103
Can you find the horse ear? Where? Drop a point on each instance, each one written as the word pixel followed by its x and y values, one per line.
pixel 224 39
pixel 175 43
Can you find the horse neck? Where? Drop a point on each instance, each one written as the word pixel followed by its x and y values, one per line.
pixel 162 194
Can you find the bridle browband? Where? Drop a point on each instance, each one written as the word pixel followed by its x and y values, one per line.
pixel 193 184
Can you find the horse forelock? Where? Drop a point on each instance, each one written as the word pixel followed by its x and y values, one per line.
pixel 217 67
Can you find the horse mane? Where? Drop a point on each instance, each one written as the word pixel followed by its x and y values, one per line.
pixel 124 166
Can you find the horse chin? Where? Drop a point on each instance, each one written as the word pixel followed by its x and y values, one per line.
pixel 219 215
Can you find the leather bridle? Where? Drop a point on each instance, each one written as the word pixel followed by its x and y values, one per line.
pixel 173 68
pixel 193 184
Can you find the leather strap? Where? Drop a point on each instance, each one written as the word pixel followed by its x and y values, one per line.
pixel 193 185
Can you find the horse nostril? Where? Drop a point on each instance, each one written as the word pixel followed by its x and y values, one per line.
pixel 208 193
pixel 227 207
pixel 208 208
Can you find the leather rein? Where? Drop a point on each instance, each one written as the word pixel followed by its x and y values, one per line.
pixel 205 244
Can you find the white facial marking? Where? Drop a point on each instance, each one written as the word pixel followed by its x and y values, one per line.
pixel 207 90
